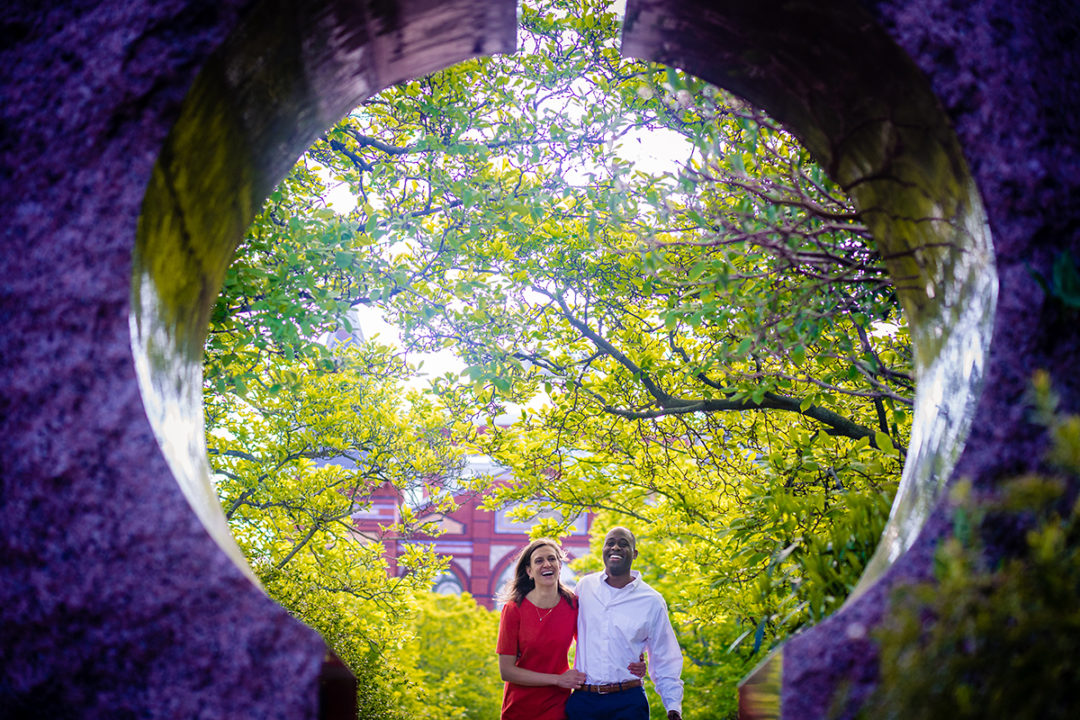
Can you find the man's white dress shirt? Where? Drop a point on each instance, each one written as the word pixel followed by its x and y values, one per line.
pixel 616 624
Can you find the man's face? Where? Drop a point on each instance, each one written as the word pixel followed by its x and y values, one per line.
pixel 619 552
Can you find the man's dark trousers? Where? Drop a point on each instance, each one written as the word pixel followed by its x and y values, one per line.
pixel 626 705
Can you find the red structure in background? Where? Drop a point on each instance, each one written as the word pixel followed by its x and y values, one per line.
pixel 483 544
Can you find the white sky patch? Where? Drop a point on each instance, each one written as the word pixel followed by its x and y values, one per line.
pixel 373 326
pixel 882 329
pixel 654 151
pixel 339 198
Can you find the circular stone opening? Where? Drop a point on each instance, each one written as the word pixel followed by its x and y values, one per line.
pixel 830 74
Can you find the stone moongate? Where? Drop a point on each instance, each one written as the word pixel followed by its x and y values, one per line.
pixel 138 138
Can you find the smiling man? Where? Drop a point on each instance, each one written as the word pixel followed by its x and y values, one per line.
pixel 620 617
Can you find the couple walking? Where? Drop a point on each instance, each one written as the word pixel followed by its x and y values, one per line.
pixel 616 618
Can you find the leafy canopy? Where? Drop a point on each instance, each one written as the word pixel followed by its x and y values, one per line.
pixel 710 352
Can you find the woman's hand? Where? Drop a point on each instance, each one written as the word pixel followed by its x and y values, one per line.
pixel 637 668
pixel 571 679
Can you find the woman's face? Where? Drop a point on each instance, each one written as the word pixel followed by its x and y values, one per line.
pixel 544 566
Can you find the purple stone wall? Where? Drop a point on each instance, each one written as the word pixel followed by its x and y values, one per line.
pixel 115 603
pixel 114 600
pixel 1008 76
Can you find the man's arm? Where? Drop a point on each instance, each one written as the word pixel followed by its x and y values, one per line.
pixel 665 661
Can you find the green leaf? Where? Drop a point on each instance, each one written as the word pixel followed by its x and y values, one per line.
pixel 798 355
pixel 1067 279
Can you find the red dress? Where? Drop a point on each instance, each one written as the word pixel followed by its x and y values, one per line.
pixel 540 639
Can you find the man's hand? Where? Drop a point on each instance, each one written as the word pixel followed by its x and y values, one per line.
pixel 674 715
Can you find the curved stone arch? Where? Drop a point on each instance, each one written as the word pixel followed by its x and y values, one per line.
pixel 90 441
pixel 888 144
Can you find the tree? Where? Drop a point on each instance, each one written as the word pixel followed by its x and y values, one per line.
pixel 489 228
pixel 296 456
pixel 712 354
pixel 720 353
pixel 299 433
pixel 452 653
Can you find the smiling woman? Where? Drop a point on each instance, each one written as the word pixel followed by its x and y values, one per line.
pixel 537 626
pixel 115 599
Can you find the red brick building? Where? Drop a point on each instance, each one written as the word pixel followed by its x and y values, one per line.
pixel 483 544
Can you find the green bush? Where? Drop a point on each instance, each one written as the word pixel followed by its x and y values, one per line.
pixel 997 635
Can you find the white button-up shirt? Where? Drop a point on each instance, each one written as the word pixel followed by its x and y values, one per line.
pixel 616 624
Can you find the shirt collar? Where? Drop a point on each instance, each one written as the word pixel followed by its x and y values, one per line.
pixel 634 577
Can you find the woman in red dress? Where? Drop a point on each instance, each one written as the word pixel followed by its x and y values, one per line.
pixel 539 621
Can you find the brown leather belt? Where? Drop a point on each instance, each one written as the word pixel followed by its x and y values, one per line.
pixel 611 687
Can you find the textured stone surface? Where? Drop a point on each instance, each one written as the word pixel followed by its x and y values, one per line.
pixel 115 602
pixel 1008 76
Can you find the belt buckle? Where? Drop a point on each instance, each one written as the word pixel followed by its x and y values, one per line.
pixel 601 691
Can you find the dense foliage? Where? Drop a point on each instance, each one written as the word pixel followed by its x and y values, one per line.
pixel 709 352
pixel 456 670
pixel 996 633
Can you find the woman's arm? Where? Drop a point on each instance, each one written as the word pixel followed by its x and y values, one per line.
pixel 510 672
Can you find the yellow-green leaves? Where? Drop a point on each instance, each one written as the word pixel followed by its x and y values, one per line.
pixel 708 348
